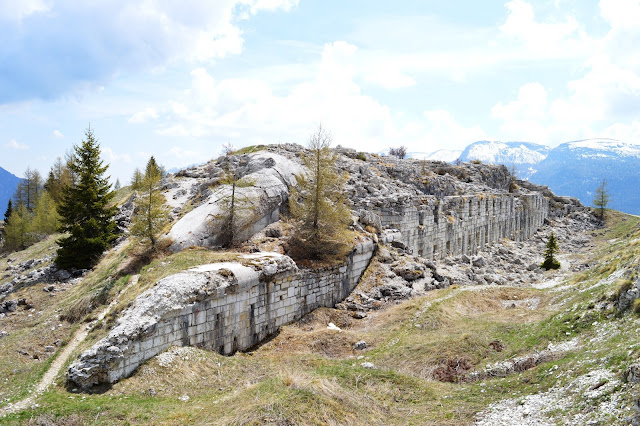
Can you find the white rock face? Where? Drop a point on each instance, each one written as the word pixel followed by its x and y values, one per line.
pixel 271 175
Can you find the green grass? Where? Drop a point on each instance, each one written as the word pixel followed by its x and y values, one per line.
pixel 249 149
pixel 310 375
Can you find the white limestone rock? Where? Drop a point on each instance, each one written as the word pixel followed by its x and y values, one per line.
pixel 272 174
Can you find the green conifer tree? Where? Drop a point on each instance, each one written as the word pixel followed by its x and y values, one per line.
pixel 550 262
pixel 317 205
pixel 85 214
pixel 7 213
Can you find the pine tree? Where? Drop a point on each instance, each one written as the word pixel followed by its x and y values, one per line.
pixel 550 262
pixel 317 204
pixel 151 214
pixel 117 185
pixel 601 199
pixel 84 210
pixel 7 213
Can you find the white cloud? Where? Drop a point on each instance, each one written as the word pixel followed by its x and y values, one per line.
pixel 14 144
pixel 542 38
pixel 621 13
pixel 246 111
pixel 602 100
pixel 82 44
pixel 257 5
pixel 113 157
pixel 441 130
pixel 57 134
pixel 143 116
pixel 531 104
pixel 18 10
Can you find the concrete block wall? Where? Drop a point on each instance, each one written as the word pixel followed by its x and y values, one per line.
pixel 463 224
pixel 233 317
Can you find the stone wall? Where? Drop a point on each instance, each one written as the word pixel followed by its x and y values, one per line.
pixel 227 307
pixel 223 307
pixel 462 224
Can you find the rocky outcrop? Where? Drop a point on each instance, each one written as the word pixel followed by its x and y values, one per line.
pixel 270 175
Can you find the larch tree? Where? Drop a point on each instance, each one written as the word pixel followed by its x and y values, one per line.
pixel 46 219
pixel 17 230
pixel 85 214
pixel 136 179
pixel 601 199
pixel 318 207
pixel 237 211
pixel 151 213
pixel 59 177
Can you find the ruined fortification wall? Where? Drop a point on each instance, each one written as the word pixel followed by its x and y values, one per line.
pixel 223 307
pixel 463 224
pixel 227 307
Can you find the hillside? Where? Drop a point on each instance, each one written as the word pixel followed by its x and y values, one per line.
pixel 452 322
pixel 8 185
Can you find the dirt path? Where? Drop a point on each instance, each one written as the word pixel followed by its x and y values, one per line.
pixel 58 363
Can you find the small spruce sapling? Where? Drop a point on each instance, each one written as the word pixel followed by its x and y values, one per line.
pixel 550 262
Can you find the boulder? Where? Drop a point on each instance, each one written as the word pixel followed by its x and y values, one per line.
pixel 360 346
pixel 632 374
pixel 478 261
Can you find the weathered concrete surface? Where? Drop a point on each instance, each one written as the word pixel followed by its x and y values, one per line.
pixel 437 228
pixel 271 175
pixel 223 307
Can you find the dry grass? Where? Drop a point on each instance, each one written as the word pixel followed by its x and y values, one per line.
pixel 310 375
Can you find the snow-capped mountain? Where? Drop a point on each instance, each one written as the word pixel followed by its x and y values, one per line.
pixel 573 168
pixel 8 185
pixel 577 168
pixel 523 156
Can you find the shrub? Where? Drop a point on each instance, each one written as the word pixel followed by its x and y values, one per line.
pixel 636 306
pixel 361 156
pixel 400 152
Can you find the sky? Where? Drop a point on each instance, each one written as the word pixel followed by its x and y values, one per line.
pixel 177 80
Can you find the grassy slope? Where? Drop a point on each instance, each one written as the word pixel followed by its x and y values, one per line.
pixel 311 375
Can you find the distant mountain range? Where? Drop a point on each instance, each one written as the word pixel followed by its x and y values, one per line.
pixel 8 185
pixel 573 168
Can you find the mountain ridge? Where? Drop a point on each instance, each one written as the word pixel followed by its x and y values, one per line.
pixel 8 184
pixel 573 168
